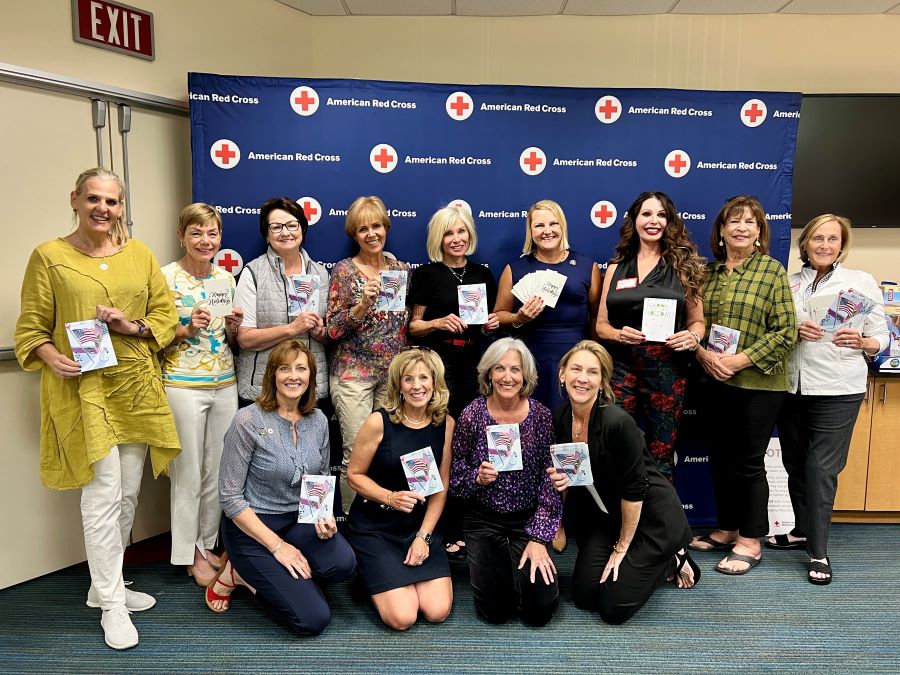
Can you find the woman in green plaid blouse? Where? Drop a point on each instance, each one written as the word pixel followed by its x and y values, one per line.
pixel 751 329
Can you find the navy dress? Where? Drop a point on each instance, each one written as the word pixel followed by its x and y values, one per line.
pixel 556 329
pixel 381 536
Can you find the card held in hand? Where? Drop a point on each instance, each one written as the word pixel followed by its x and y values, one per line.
pixel 658 321
pixel 573 460
pixel 316 498
pixel 504 447
pixel 303 294
pixel 91 345
pixel 473 308
pixel 722 339
pixel 392 297
pixel 217 297
pixel 422 472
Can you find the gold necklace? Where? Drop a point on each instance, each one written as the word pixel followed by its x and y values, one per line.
pixel 577 432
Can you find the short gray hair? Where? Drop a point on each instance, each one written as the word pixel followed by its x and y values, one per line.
pixel 497 351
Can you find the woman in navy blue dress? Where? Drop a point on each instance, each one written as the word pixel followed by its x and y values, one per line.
pixel 549 332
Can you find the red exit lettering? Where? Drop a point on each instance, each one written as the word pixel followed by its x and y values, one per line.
pixel 114 26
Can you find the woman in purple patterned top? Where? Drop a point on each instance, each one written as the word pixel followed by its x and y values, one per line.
pixel 512 515
pixel 365 340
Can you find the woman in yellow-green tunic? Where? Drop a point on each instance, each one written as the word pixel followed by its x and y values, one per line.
pixel 96 425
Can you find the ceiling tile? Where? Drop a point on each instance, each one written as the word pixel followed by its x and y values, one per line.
pixel 728 6
pixel 400 7
pixel 838 6
pixel 317 7
pixel 508 7
pixel 617 7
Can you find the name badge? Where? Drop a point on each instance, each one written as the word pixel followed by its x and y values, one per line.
pixel 626 283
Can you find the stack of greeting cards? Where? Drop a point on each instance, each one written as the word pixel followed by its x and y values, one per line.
pixel 504 447
pixel 546 284
pixel 846 309
pixel 303 294
pixel 316 498
pixel 91 345
pixel 392 297
pixel 473 308
pixel 422 472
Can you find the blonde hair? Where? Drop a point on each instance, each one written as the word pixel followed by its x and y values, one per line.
pixel 606 366
pixel 403 363
pixel 366 210
pixel 556 210
pixel 440 224
pixel 497 351
pixel 119 232
pixel 198 213
pixel 810 229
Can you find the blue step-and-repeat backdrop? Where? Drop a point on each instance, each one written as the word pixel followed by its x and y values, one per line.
pixel 493 149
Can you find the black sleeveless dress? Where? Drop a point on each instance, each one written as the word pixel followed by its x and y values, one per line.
pixel 380 536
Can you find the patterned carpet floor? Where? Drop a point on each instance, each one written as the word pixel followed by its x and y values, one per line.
pixel 770 620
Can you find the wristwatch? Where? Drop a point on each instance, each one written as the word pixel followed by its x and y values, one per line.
pixel 427 538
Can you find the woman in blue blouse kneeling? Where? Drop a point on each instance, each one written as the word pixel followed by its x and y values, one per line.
pixel 270 446
pixel 512 515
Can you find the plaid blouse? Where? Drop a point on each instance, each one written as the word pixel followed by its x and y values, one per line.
pixel 755 298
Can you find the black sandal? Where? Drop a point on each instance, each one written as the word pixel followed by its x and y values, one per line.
pixel 821 568
pixel 458 555
pixel 682 560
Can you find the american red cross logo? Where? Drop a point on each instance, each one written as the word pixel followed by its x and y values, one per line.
pixel 228 262
pixel 311 209
pixel 677 163
pixel 225 153
pixel 753 112
pixel 608 109
pixel 383 158
pixel 460 204
pixel 532 161
pixel 603 214
pixel 304 100
pixel 460 106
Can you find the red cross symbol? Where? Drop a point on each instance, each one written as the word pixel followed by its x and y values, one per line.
pixel 603 213
pixel 608 109
pixel 384 158
pixel 753 112
pixel 228 262
pixel 533 161
pixel 225 153
pixel 304 100
pixel 677 163
pixel 309 210
pixel 460 106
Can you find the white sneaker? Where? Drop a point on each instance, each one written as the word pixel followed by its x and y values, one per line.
pixel 118 630
pixel 135 601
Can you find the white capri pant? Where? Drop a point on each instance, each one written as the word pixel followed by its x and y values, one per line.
pixel 108 504
pixel 202 417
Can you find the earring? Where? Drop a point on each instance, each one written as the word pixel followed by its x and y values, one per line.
pixel 721 241
pixel 182 244
pixel 757 243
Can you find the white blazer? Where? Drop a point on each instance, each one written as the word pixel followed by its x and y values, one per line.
pixel 821 368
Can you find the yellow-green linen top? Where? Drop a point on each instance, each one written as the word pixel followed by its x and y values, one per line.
pixel 83 417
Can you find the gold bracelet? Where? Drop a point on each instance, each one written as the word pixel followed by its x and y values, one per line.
pixel 620 551
pixel 390 500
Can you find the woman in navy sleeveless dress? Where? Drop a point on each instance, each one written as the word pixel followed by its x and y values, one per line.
pixel 549 332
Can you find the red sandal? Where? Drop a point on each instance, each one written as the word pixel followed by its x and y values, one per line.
pixel 212 596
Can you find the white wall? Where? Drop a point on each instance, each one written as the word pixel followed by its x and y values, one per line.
pixel 49 136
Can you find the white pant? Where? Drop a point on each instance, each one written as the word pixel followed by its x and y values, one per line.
pixel 202 416
pixel 107 513
pixel 353 402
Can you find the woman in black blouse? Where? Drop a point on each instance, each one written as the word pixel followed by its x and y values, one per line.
pixel 435 323
pixel 654 258
pixel 630 526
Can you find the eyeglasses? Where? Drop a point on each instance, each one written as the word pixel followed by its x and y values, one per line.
pixel 290 226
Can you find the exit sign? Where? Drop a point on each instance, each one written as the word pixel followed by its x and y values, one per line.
pixel 113 25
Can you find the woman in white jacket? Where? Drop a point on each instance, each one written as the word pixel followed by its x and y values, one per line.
pixel 828 372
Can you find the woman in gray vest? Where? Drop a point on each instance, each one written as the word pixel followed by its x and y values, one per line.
pixel 277 291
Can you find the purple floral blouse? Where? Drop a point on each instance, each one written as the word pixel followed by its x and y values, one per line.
pixel 513 491
pixel 362 350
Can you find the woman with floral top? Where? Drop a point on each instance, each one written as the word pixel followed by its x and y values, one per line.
pixel 511 516
pixel 198 373
pixel 751 327
pixel 366 339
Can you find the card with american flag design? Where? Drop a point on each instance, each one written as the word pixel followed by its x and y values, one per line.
pixel 504 447
pixel 473 307
pixel 422 472
pixel 91 345
pixel 316 498
pixel 574 460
